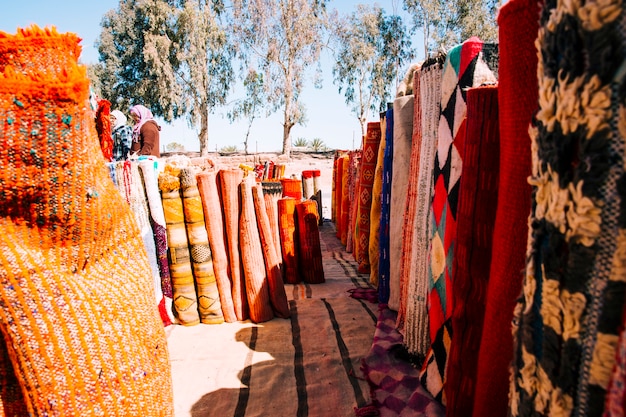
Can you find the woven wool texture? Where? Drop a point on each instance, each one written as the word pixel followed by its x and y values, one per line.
pixel 272 192
pixel 213 220
pixel 385 196
pixel 75 278
pixel 466 65
pixel 278 297
pixel 402 136
pixel 289 239
pixel 416 336
pixel 339 192
pixel 408 221
pixel 209 306
pixel 354 163
pixel 159 233
pixel 183 287
pixel 478 198
pixel 346 201
pixel 517 101
pixel 566 326
pixel 366 182
pixel 229 180
pixel 309 250
pixel 307 184
pixel 130 185
pixel 257 285
pixel 292 187
pixel 103 127
pixel 333 197
pixel 374 241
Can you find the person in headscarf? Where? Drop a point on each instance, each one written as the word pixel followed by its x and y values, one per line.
pixel 145 132
pixel 122 135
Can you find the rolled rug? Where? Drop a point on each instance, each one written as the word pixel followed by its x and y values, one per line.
pixel 75 282
pixel 229 180
pixel 292 187
pixel 157 221
pixel 366 182
pixel 309 249
pixel 353 171
pixel 478 198
pixel 383 252
pixel 272 192
pixel 214 222
pixel 346 201
pixel 402 136
pixel 288 239
pixel 416 336
pixel 257 285
pixel 375 213
pixel 307 184
pixel 278 297
pixel 517 101
pixel 408 226
pixel 566 325
pixel 209 305
pixel 467 65
pixel 183 286
pixel 339 194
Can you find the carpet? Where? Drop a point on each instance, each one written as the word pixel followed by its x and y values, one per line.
pixel 375 211
pixel 369 157
pixel 416 336
pixel 385 197
pixel 402 135
pixel 517 102
pixel 466 65
pixel 287 224
pixel 309 250
pixel 567 322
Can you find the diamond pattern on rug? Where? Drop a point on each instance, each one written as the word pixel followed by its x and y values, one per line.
pixel 393 380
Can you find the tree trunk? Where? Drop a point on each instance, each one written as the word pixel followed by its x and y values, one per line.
pixel 203 136
pixel 287 125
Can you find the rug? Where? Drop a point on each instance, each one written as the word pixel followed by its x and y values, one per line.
pixel 209 306
pixel 346 200
pixel 394 381
pixel 416 335
pixel 466 65
pixel 183 287
pixel 276 287
pixel 369 157
pixel 157 222
pixel 257 285
pixel 75 282
pixel 292 187
pixel 214 222
pixel 354 164
pixel 309 250
pixel 402 135
pixel 228 180
pixel 567 323
pixel 289 239
pixel 517 102
pixel 408 222
pixel 476 213
pixel 272 192
pixel 385 197
pixel 375 213
pixel 339 193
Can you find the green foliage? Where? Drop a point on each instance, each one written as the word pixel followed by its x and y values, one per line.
pixel 252 104
pixel 301 142
pixel 172 56
pixel 229 149
pixel 317 145
pixel 370 47
pixel 174 147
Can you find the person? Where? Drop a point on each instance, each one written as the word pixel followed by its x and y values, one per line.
pixel 145 132
pixel 122 135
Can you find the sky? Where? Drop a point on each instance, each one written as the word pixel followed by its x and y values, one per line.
pixel 329 118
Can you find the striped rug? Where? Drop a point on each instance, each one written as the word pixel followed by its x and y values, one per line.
pixel 307 365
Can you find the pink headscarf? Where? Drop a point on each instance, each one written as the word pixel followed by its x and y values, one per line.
pixel 144 115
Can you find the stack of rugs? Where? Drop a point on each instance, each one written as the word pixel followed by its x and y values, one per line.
pixel 221 244
pixel 497 215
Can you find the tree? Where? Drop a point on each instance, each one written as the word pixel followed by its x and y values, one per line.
pixel 283 38
pixel 370 49
pixel 172 56
pixel 250 106
pixel 174 147
pixel 448 23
